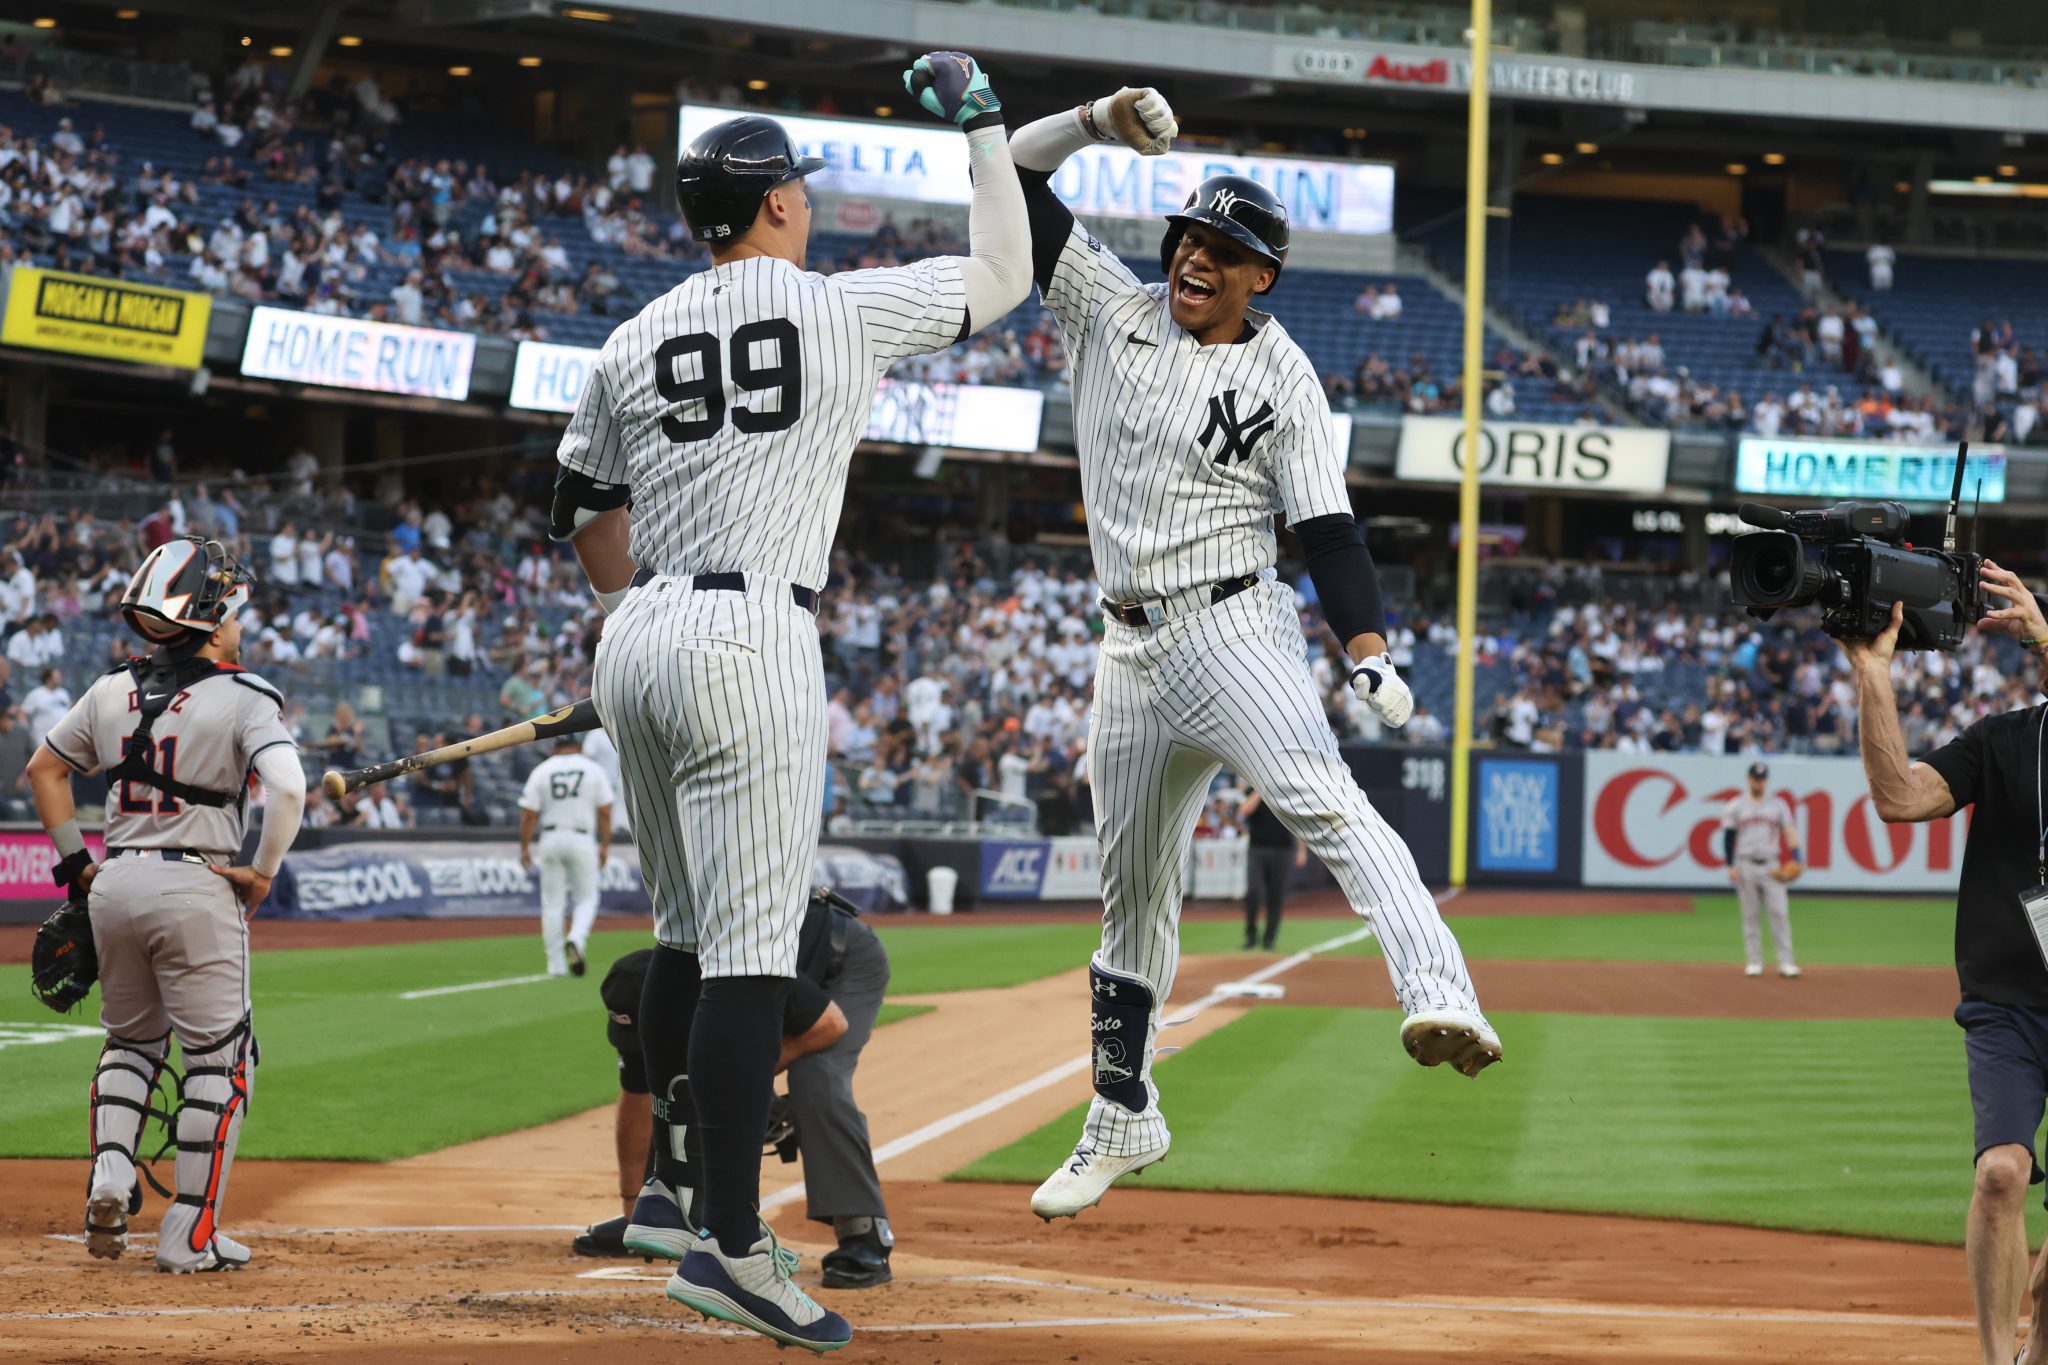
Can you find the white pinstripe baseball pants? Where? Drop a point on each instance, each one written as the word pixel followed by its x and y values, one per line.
pixel 1230 685
pixel 716 701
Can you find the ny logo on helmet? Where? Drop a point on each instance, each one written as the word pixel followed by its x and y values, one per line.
pixel 1223 201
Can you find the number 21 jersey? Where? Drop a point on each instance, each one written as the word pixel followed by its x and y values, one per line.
pixel 731 406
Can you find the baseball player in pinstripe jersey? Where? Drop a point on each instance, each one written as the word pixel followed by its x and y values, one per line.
pixel 725 416
pixel 1197 419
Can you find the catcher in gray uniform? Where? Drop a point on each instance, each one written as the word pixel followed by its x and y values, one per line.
pixel 180 735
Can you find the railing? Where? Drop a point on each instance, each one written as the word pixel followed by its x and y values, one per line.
pixel 85 71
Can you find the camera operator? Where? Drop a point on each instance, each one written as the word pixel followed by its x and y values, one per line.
pixel 1995 765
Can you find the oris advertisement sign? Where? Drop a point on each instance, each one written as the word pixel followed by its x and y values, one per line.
pixel 1537 455
pixel 1654 820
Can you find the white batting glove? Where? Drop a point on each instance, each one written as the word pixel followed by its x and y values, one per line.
pixel 1375 683
pixel 1141 119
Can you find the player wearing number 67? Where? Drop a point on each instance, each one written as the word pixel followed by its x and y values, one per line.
pixel 1197 419
pixel 701 480
pixel 567 800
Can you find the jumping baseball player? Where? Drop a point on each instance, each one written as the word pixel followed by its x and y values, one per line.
pixel 1197 419
pixel 1760 839
pixel 179 735
pixel 568 799
pixel 726 415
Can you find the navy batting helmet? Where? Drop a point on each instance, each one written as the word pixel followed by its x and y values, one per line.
pixel 729 168
pixel 1242 209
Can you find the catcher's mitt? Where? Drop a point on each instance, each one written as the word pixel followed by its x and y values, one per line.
pixel 63 965
pixel 1788 871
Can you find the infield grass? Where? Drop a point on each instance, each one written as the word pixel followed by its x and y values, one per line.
pixel 1857 1126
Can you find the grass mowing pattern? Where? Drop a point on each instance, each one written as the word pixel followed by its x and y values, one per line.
pixel 1857 1126
pixel 1826 931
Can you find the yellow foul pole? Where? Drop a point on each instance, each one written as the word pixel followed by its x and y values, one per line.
pixel 1468 484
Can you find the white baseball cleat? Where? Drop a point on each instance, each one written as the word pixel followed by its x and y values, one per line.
pixel 106 1221
pixel 1461 1037
pixel 222 1253
pixel 1753 969
pixel 1790 970
pixel 1083 1178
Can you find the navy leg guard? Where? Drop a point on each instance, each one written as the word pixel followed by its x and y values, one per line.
pixel 1120 1029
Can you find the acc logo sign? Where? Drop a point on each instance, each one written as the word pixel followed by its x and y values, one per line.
pixel 1013 871
pixel 1321 63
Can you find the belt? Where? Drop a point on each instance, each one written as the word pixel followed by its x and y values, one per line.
pixel 1161 610
pixel 1752 858
pixel 169 855
pixel 556 829
pixel 806 598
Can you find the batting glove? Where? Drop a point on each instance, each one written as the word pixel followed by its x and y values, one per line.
pixel 953 86
pixel 1375 683
pixel 1140 119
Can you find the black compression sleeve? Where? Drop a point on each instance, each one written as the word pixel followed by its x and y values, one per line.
pixel 1052 224
pixel 1728 846
pixel 1344 576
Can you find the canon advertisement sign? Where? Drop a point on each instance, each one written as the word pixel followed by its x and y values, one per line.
pixel 1654 820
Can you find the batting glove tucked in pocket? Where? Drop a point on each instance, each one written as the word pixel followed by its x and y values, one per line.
pixel 1375 683
pixel 952 85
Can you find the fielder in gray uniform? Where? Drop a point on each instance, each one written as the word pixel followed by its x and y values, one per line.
pixel 726 415
pixel 180 736
pixel 1198 419
pixel 1760 839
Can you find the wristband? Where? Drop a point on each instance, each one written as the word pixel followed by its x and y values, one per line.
pixel 67 872
pixel 67 838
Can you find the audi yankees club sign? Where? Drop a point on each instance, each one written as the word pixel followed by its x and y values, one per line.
pixel 1654 820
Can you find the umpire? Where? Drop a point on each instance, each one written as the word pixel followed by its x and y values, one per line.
pixel 2001 943
pixel 842 975
pixel 1270 859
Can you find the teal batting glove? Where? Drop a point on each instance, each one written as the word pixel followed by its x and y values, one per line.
pixel 952 86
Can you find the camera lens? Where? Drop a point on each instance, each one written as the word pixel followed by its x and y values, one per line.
pixel 1770 569
pixel 1773 572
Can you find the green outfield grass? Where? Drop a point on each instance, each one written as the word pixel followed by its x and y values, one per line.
pixel 1826 930
pixel 1858 1126
pixel 350 1071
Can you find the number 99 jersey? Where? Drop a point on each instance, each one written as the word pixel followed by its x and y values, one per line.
pixel 731 406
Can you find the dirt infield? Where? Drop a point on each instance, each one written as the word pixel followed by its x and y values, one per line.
pixel 462 1254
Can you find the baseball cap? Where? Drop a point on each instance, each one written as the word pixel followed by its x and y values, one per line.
pixel 620 991
pixel 1759 770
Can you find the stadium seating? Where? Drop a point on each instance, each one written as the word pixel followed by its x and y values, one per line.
pixel 1936 302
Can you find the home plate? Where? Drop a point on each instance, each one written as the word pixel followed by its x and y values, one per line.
pixel 1252 990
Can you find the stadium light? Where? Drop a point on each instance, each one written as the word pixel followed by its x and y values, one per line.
pixel 884 110
pixel 1737 168
pixel 757 84
pixel 529 61
pixel 127 14
pixel 246 40
pixel 52 23
pixel 1587 148
pixel 280 51
pixel 1553 158
pixel 1774 158
pixel 593 16
pixel 349 40
pixel 458 71
pixel 2008 169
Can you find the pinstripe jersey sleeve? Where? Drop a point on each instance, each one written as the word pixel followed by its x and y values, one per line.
pixel 1308 469
pixel 1088 274
pixel 592 445
pixel 907 310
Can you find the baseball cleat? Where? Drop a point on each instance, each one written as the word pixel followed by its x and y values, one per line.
pixel 576 964
pixel 754 1291
pixel 106 1220
pixel 657 1226
pixel 1461 1037
pixel 222 1253
pixel 1753 969
pixel 1083 1178
pixel 1790 970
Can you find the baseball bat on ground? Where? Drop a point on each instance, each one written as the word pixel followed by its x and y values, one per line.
pixel 567 721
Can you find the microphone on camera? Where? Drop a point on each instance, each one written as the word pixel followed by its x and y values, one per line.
pixel 1767 518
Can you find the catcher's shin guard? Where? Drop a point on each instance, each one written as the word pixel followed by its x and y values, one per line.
pixel 122 1087
pixel 217 1081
